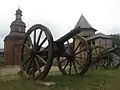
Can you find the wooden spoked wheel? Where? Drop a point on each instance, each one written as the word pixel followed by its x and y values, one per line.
pixel 100 57
pixel 76 57
pixel 36 52
pixel 114 60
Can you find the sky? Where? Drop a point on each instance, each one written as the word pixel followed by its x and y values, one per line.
pixel 61 16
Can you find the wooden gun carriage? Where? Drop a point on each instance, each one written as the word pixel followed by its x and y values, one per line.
pixel 39 49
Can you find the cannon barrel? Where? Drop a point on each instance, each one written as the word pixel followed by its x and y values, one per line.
pixel 69 35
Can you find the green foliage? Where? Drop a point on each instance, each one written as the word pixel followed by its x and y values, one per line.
pixel 116 39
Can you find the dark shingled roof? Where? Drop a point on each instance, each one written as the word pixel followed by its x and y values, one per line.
pixel 99 35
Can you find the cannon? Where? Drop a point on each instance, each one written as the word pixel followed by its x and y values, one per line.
pixel 105 58
pixel 38 50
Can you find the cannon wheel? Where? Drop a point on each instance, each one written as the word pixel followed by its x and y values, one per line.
pixel 100 57
pixel 36 52
pixel 114 60
pixel 76 57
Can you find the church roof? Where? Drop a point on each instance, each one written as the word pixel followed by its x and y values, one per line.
pixel 99 35
pixel 17 22
pixel 12 36
pixel 83 23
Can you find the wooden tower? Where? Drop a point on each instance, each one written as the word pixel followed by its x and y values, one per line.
pixel 12 42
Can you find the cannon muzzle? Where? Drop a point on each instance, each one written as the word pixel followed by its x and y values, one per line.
pixel 69 35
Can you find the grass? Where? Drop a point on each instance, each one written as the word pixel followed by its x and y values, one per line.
pixel 93 80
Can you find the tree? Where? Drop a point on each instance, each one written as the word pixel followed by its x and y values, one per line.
pixel 115 39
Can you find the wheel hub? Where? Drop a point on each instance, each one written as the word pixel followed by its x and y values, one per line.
pixel 33 53
pixel 70 56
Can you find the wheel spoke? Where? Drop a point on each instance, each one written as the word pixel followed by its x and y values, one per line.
pixel 40 62
pixel 31 43
pixel 42 43
pixel 27 60
pixel 112 64
pixel 39 38
pixel 38 66
pixel 34 68
pixel 77 47
pixel 70 68
pixel 79 52
pixel 41 59
pixel 115 61
pixel 63 60
pixel 27 46
pixel 75 66
pixel 66 65
pixel 73 46
pixel 26 53
pixel 113 55
pixel 69 46
pixel 29 65
pixel 77 61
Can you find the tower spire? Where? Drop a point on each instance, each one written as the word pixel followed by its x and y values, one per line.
pixel 18 14
pixel 18 25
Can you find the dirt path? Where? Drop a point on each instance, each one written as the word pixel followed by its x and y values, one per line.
pixel 14 70
pixel 9 70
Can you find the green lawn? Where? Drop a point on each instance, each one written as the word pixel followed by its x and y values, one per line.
pixel 93 80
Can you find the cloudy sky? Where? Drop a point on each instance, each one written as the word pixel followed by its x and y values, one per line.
pixel 60 16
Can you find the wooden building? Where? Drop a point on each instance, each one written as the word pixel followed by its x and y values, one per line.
pixel 89 34
pixel 12 42
pixel 101 40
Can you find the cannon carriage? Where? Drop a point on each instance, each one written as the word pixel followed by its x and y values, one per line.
pixel 39 49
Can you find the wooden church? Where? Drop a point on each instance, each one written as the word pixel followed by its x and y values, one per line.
pixel 12 42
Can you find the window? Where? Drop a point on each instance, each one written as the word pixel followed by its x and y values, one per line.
pixel 89 43
pixel 93 42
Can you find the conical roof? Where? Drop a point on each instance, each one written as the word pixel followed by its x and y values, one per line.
pixel 83 23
